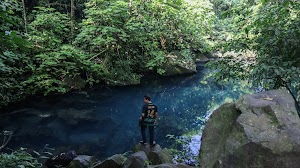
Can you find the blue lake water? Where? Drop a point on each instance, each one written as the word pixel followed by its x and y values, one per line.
pixel 104 121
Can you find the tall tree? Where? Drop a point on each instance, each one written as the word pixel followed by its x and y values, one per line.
pixel 72 18
pixel 24 15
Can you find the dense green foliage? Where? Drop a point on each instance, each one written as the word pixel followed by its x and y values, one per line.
pixel 138 38
pixel 115 43
pixel 14 63
pixel 265 36
pixel 58 65
pixel 118 41
pixel 19 158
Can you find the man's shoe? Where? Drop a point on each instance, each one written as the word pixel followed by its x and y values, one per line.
pixel 152 145
pixel 142 142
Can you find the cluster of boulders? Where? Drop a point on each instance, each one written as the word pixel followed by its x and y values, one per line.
pixel 142 156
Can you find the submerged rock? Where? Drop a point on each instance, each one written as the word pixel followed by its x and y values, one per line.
pixel 259 130
pixel 75 117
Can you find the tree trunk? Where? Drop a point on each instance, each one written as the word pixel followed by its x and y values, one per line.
pixel 130 7
pixel 72 18
pixel 24 15
pixel 295 100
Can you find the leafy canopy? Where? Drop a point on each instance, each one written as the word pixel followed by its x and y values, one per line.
pixel 270 30
pixel 129 38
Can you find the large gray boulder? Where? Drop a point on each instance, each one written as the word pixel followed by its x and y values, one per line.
pixel 115 161
pixel 155 154
pixel 137 160
pixel 159 156
pixel 216 133
pixel 142 147
pixel 81 161
pixel 259 130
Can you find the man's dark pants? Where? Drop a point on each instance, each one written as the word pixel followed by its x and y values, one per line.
pixel 151 132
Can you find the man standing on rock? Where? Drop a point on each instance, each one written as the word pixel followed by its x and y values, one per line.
pixel 148 119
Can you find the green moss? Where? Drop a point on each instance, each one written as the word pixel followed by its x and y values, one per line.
pixel 216 133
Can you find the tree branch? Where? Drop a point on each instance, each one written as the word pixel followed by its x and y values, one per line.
pixel 5 141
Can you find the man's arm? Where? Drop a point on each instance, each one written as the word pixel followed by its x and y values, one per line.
pixel 155 115
pixel 143 112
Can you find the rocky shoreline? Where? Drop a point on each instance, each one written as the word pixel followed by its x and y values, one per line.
pixel 140 156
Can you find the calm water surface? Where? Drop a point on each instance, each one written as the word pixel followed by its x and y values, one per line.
pixel 104 121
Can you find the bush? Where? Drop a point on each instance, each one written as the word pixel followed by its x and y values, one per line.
pixel 18 159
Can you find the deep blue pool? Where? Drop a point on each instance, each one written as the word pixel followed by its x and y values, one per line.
pixel 104 121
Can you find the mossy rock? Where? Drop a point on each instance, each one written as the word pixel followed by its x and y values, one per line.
pixel 215 134
pixel 178 63
pixel 115 161
pixel 258 130
pixel 160 156
pixel 137 160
